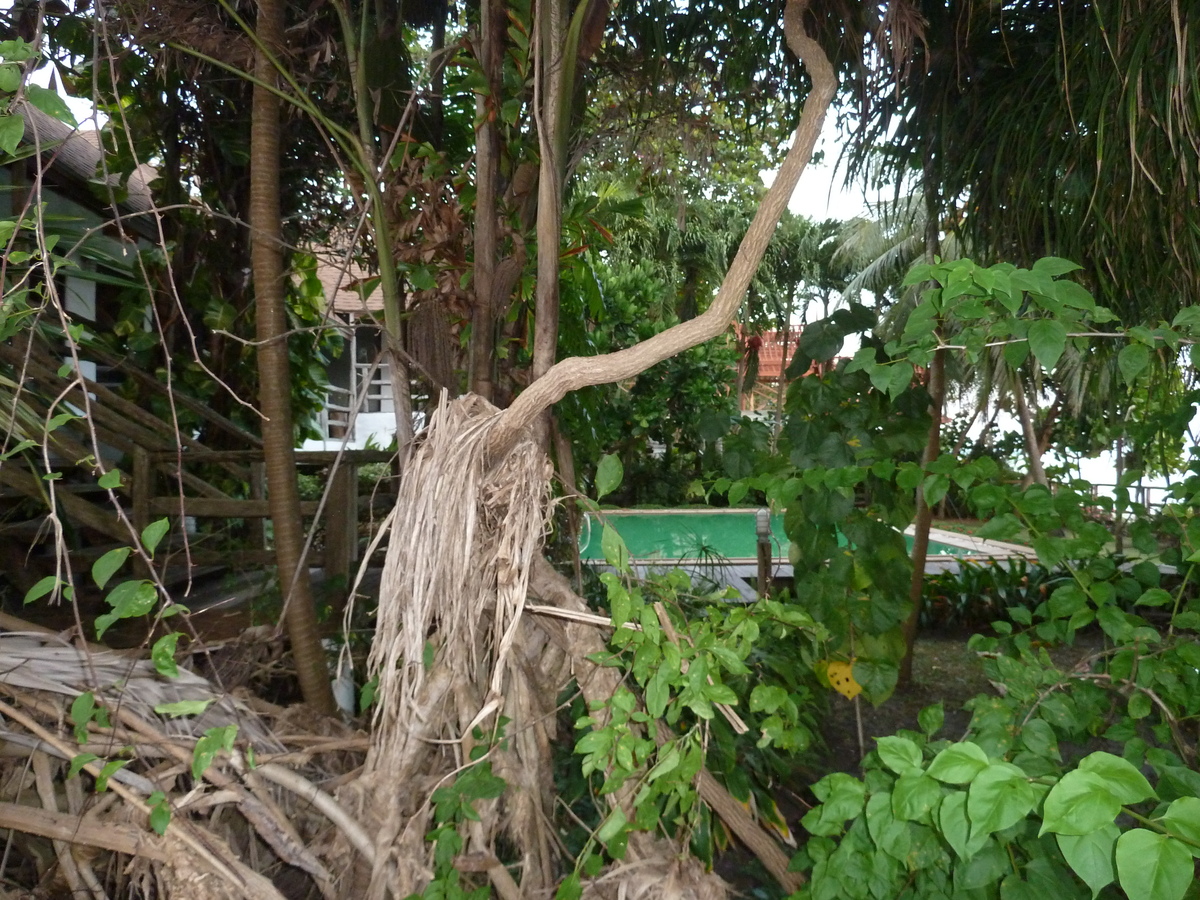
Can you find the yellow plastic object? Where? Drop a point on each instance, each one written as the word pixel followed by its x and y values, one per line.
pixel 841 678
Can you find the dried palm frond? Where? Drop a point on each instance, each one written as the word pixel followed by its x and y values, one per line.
pixel 41 662
pixel 659 877
pixel 451 599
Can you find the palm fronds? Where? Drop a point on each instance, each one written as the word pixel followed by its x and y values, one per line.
pixel 1062 128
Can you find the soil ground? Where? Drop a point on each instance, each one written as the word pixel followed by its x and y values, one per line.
pixel 945 670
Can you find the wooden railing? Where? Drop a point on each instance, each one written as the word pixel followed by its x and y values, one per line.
pixel 172 474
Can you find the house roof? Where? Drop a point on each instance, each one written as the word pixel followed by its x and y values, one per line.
pixel 771 358
pixel 341 279
pixel 73 162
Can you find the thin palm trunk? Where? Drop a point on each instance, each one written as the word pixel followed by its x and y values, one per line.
pixel 933 449
pixel 487 175
pixel 1037 475
pixel 274 373
pixel 552 36
pixel 924 517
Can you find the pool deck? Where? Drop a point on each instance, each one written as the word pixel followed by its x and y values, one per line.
pixel 720 545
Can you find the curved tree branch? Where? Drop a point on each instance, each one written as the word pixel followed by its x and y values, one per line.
pixel 579 372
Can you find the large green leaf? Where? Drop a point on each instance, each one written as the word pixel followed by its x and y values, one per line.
pixel 50 103
pixel 1091 855
pixel 1000 796
pixel 1132 360
pixel 899 754
pixel 1153 866
pixel 12 128
pixel 956 827
pixel 609 473
pixel 914 795
pixel 959 763
pixel 1183 818
pixel 1047 340
pixel 1120 776
pixel 1079 804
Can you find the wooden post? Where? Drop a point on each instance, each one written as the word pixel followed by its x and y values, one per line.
pixel 762 529
pixel 142 490
pixel 257 537
pixel 341 527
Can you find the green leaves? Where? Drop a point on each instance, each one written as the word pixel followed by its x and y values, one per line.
pixel 999 797
pixel 162 654
pixel 160 812
pixel 50 103
pixel 128 600
pixel 153 534
pixel 959 763
pixel 1090 797
pixel 1091 855
pixel 43 587
pixel 181 708
pixel 1132 359
pixel 609 473
pixel 842 797
pixel 1182 818
pixel 107 565
pixel 1079 804
pixel 1124 781
pixel 207 747
pixel 1047 341
pixel 1153 866
pixel 616 554
pixel 899 754
pixel 12 129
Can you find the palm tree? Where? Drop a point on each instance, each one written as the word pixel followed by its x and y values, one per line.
pixel 1061 129
pixel 278 432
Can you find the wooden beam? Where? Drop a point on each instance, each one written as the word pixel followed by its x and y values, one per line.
pixel 341 522
pixel 81 830
pixel 211 508
pixel 82 511
pixel 304 457
pixel 189 403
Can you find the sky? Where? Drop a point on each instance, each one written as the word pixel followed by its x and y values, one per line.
pixel 821 193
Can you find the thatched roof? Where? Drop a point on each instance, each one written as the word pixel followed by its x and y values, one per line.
pixel 72 163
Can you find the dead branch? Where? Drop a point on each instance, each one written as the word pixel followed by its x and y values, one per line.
pixel 265 818
pixel 208 849
pixel 69 827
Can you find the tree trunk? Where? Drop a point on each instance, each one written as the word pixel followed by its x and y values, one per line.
pixel 933 449
pixel 579 372
pixel 924 518
pixel 274 374
pixel 549 107
pixel 1037 475
pixel 487 174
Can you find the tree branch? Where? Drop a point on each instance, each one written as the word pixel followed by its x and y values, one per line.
pixel 579 372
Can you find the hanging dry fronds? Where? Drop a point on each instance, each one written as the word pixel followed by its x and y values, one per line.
pixel 464 532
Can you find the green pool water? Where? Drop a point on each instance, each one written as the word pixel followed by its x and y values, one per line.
pixel 686 535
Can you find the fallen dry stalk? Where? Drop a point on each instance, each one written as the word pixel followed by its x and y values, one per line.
pixel 327 805
pixel 207 848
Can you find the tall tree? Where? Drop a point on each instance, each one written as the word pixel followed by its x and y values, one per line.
pixel 274 370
